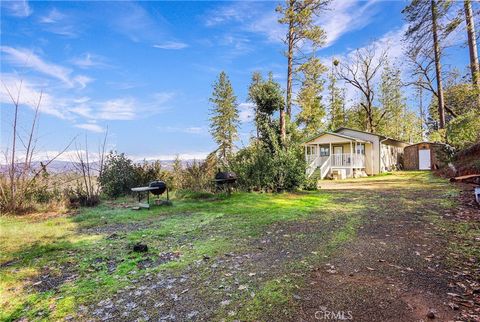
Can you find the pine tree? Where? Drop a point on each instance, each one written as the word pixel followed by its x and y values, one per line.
pixel 398 122
pixel 309 97
pixel 336 99
pixel 268 98
pixel 224 119
pixel 472 47
pixel 299 16
pixel 424 35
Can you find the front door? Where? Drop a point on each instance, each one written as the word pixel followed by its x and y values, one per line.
pixel 424 160
pixel 338 150
pixel 337 160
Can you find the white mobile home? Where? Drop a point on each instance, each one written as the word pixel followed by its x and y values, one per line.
pixel 351 153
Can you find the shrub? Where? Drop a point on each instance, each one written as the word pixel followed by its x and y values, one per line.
pixel 464 130
pixel 118 175
pixel 269 167
pixel 198 175
pixel 147 172
pixel 79 197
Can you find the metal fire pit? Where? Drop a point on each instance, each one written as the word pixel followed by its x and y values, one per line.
pixel 156 188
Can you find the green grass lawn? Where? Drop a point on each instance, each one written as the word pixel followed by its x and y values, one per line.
pixel 82 245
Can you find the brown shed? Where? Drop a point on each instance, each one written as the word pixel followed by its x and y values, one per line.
pixel 424 156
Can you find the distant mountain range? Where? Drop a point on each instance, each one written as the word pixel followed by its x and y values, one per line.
pixel 68 166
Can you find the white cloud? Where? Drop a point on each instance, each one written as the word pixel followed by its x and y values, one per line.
pixel 181 129
pixel 117 109
pixel 58 23
pixel 17 8
pixel 72 108
pixel 91 127
pixel 340 18
pixel 250 17
pixel 346 16
pixel 88 60
pixel 121 109
pixel 182 156
pixel 268 25
pixel 26 58
pixel 54 16
pixel 175 45
pixel 30 94
pixel 195 130
pixel 246 112
pixel 236 12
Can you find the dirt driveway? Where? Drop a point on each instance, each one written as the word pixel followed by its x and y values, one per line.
pixel 399 266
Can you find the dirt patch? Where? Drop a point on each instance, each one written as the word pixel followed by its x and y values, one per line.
pixel 50 279
pixel 394 270
pixel 154 261
pixel 362 297
pixel 116 230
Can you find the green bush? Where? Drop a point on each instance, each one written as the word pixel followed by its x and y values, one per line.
pixel 119 175
pixel 269 166
pixel 464 130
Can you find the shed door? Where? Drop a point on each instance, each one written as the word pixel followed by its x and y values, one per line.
pixel 424 160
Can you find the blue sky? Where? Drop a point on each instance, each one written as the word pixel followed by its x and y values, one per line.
pixel 144 69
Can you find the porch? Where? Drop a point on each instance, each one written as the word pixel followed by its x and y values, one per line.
pixel 334 152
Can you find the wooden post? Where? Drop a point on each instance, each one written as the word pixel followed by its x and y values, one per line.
pixel 330 152
pixel 351 159
pixel 306 159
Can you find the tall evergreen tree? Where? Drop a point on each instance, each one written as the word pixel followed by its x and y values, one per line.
pixel 312 111
pixel 424 36
pixel 392 102
pixel 472 47
pixel 268 98
pixel 399 122
pixel 336 100
pixel 224 118
pixel 299 17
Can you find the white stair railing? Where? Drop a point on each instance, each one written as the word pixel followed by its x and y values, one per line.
pixel 325 167
pixel 312 167
pixel 348 160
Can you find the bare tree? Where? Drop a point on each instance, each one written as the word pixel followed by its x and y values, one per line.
pixel 422 69
pixel 22 175
pixel 83 163
pixel 361 72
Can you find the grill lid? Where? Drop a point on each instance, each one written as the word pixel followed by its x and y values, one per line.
pixel 160 185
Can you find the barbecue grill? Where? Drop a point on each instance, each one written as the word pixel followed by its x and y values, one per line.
pixel 155 187
pixel 225 180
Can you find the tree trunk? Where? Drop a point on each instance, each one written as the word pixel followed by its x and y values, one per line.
pixel 283 130
pixel 472 46
pixel 290 65
pixel 438 66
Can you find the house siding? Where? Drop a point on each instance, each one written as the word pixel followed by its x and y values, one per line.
pixel 373 163
pixel 391 157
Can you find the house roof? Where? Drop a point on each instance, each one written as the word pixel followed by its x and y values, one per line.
pixel 351 138
pixel 379 135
